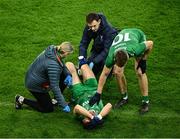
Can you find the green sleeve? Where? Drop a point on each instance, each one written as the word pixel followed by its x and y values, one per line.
pixel 141 48
pixel 110 58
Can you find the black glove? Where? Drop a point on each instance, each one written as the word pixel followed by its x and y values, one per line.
pixel 82 61
pixel 142 65
pixel 95 99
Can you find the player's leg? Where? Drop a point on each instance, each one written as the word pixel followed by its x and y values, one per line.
pixel 122 84
pixel 97 67
pixel 148 43
pixel 144 50
pixel 143 83
pixel 140 68
pixel 72 70
pixel 87 73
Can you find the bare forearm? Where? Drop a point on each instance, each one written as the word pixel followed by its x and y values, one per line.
pixel 107 108
pixel 102 79
pixel 82 111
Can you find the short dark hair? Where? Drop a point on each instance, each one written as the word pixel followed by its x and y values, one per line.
pixel 92 16
pixel 121 58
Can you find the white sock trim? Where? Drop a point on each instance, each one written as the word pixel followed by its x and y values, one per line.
pixel 99 116
pixel 21 99
pixel 145 101
pixel 126 97
pixel 92 117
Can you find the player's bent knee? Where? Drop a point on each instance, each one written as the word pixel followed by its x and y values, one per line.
pixel 70 66
pixel 138 72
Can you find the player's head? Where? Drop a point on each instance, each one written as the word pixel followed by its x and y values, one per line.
pixel 121 58
pixel 87 120
pixel 93 21
pixel 65 49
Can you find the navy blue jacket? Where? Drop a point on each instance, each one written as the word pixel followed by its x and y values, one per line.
pixel 106 33
pixel 46 71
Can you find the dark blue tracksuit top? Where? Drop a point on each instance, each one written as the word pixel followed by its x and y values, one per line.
pixel 106 33
pixel 46 69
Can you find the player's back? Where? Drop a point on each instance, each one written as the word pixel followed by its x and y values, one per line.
pixel 128 36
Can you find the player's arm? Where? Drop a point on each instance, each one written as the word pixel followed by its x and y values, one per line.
pixel 142 61
pixel 149 46
pixel 54 76
pixel 106 109
pixel 78 109
pixel 102 79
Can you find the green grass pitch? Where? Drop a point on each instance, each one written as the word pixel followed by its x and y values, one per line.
pixel 28 26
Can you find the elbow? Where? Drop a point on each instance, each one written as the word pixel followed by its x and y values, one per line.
pixel 76 109
pixel 109 105
pixel 150 44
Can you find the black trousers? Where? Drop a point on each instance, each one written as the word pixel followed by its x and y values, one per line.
pixel 98 67
pixel 43 101
pixel 97 48
pixel 62 86
pixel 42 104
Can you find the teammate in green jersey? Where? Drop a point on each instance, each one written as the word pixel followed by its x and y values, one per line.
pixel 128 43
pixel 82 92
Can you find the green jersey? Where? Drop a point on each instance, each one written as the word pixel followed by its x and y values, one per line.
pixel 83 92
pixel 131 40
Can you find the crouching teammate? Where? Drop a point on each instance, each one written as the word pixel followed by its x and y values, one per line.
pixel 91 116
pixel 128 43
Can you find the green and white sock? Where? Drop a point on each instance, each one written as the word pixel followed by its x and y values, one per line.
pixel 145 99
pixel 125 95
pixel 21 99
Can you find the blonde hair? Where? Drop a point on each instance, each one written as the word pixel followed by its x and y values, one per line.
pixel 65 47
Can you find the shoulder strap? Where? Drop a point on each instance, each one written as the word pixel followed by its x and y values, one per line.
pixel 58 58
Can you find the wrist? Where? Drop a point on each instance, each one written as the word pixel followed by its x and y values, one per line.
pixel 69 75
pixel 98 92
pixel 66 108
